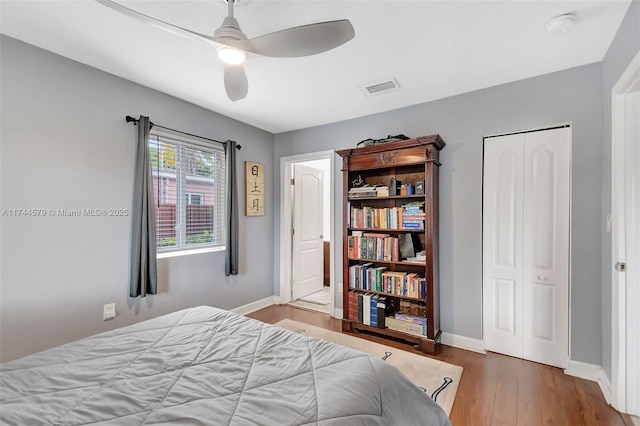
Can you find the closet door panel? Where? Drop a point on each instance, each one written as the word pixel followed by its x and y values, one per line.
pixel 502 244
pixel 546 246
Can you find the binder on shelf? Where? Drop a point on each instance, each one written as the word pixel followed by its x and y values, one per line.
pixel 382 307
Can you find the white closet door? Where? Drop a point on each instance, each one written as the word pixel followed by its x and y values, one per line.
pixel 502 243
pixel 546 246
pixel 526 199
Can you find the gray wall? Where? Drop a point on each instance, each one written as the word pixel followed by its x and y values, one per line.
pixel 574 95
pixel 623 49
pixel 65 144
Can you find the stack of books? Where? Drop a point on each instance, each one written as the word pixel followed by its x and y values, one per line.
pixel 382 191
pixel 362 191
pixel 374 246
pixel 367 308
pixel 413 215
pixel 420 257
pixel 407 324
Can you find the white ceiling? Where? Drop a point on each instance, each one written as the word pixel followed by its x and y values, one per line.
pixel 433 49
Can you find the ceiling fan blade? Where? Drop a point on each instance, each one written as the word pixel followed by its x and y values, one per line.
pixel 235 82
pixel 165 26
pixel 298 41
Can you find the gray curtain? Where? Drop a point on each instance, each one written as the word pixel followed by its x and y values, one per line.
pixel 231 211
pixel 143 275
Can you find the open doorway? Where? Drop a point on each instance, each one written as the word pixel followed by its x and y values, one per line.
pixel 306 243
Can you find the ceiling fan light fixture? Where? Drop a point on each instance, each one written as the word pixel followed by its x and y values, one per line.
pixel 231 56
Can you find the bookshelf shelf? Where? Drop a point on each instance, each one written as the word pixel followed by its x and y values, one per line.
pixel 386 230
pixel 390 197
pixel 429 346
pixel 390 262
pixel 382 293
pixel 411 162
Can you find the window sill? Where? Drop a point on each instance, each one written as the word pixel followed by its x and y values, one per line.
pixel 177 253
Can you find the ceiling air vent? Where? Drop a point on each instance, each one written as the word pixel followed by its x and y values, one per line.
pixel 384 86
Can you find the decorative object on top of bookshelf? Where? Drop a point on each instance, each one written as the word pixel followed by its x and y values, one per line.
pixel 389 138
pixel 390 246
pixel 358 182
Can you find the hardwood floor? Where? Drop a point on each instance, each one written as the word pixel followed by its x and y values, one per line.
pixel 497 389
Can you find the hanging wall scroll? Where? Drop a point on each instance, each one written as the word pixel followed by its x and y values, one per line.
pixel 254 188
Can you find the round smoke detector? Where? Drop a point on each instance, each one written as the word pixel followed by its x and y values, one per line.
pixel 561 24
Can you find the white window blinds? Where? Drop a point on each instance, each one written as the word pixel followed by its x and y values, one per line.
pixel 188 185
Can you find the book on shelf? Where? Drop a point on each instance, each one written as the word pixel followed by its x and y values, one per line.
pixel 381 218
pixel 411 318
pixel 369 191
pixel 405 326
pixel 413 224
pixel 369 308
pixel 353 306
pixel 381 247
pixel 373 309
pixel 411 307
pixel 382 191
pixel 366 308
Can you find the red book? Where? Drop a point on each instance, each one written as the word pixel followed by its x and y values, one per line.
pixel 353 306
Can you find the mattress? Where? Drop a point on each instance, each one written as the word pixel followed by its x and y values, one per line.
pixel 206 366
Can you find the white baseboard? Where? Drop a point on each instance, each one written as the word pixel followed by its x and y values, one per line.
pixel 255 306
pixel 462 342
pixel 337 313
pixel 592 372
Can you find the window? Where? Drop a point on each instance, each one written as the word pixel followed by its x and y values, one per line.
pixel 195 198
pixel 188 186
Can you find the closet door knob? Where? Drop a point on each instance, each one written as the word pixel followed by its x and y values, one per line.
pixel 542 278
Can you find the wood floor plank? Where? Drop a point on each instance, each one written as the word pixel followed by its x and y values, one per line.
pixel 529 411
pixel 496 389
pixel 505 405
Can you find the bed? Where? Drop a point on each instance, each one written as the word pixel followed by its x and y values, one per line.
pixel 206 366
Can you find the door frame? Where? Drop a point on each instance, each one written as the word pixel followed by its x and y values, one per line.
pixel 286 223
pixel 629 80
pixel 568 124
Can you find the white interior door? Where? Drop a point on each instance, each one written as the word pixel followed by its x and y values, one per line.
pixel 626 251
pixel 307 253
pixel 526 245
pixel 502 244
pixel 632 242
pixel 625 240
pixel 546 247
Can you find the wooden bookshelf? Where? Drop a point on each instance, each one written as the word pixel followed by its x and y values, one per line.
pixel 410 161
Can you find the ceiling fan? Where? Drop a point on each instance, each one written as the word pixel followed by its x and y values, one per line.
pixel 232 44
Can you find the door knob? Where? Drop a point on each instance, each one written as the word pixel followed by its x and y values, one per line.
pixel 542 278
pixel 321 236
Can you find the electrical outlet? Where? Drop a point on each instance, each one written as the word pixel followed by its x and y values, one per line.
pixel 109 312
pixel 340 288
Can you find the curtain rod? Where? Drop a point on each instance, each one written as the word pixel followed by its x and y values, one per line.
pixel 135 122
